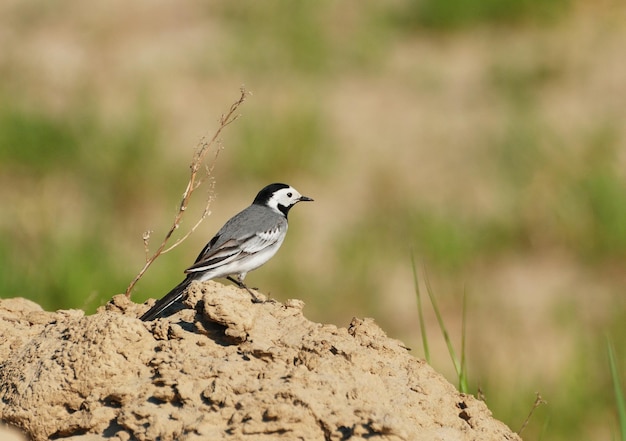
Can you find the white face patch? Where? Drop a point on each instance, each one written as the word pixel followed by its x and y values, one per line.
pixel 285 196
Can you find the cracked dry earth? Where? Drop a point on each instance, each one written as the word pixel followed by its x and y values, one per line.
pixel 221 369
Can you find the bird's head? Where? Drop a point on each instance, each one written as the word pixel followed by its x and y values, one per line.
pixel 280 197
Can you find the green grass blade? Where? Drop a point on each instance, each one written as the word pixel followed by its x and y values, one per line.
pixel 420 310
pixel 444 331
pixel 617 387
pixel 463 386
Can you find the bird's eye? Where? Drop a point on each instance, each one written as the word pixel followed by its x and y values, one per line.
pixel 289 194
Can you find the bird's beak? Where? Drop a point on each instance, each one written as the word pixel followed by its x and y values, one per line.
pixel 305 199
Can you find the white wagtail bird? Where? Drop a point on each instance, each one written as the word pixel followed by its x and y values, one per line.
pixel 244 243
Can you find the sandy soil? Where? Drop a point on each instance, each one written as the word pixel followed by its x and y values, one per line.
pixel 224 368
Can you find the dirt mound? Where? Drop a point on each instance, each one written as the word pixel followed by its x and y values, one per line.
pixel 224 369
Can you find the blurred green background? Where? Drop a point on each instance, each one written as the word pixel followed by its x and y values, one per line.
pixel 487 137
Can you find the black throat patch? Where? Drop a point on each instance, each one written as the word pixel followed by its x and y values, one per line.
pixel 284 209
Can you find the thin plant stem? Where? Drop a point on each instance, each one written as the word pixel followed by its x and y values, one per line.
pixel 444 331
pixel 620 400
pixel 195 181
pixel 538 402
pixel 441 323
pixel 420 309
pixel 463 386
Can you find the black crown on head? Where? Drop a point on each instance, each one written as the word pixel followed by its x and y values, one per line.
pixel 265 194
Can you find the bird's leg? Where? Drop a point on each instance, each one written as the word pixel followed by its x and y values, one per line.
pixel 240 284
pixel 236 282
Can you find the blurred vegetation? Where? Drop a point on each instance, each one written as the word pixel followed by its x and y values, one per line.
pixel 80 182
pixel 456 14
pixel 272 144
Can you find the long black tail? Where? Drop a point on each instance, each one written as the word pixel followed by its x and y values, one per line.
pixel 170 298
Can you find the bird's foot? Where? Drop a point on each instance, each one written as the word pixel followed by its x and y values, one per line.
pixel 240 284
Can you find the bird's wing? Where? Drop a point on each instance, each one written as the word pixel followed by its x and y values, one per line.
pixel 215 256
pixel 212 257
pixel 261 240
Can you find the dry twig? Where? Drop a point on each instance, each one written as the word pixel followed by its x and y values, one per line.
pixel 195 181
pixel 538 402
